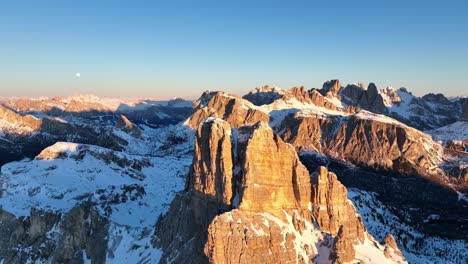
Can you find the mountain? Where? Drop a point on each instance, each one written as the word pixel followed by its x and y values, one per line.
pixel 428 112
pixel 221 198
pixel 333 175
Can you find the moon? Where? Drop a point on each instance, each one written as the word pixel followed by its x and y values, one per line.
pixel 78 74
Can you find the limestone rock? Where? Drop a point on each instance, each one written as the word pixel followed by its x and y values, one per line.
pixel 331 208
pixel 48 237
pixel 365 140
pixel 391 247
pixel 270 172
pixel 333 87
pixel 342 250
pixel 127 126
pixel 235 110
pixel 211 173
pixel 235 237
pixel 249 199
pixel 369 99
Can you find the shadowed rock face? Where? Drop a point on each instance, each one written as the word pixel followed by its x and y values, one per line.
pixel 369 99
pixel 249 199
pixel 27 135
pixel 211 173
pixel 54 237
pixel 333 87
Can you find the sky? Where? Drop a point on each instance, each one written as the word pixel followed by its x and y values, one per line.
pixel 182 48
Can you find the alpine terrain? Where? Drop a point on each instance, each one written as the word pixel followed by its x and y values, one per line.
pixel 337 174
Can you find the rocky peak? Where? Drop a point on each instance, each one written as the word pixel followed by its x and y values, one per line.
pixel 369 99
pixel 263 95
pixel 342 249
pixel 333 87
pixel 331 208
pixel 270 171
pixel 391 247
pixel 250 199
pixel 235 110
pixel 223 169
pixel 127 126
pixel 211 172
pixel 436 98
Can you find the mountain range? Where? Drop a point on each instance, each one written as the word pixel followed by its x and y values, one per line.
pixel 339 174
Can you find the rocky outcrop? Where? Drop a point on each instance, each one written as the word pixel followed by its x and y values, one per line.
pixel 268 95
pixel 332 87
pixel 128 127
pixel 54 238
pixel 391 247
pixel 235 110
pixel 365 139
pixel 343 250
pixel 270 171
pixel 232 169
pixel 369 99
pixel 263 95
pixel 331 208
pixel 211 174
pixel 249 199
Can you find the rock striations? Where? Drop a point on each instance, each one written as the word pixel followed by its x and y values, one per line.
pixel 331 208
pixel 249 199
pixel 366 139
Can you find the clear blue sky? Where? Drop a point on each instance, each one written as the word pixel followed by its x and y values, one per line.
pixel 181 48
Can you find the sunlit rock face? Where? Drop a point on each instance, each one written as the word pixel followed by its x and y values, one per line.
pixel 270 171
pixel 371 140
pixel 249 199
pixel 124 124
pixel 235 110
pixel 331 207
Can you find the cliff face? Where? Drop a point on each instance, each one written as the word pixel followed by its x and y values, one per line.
pixel 270 171
pixel 366 139
pixel 211 174
pixel 369 99
pixel 331 207
pixel 58 238
pixel 249 199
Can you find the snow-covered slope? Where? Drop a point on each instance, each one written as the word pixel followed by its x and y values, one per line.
pixel 416 246
pixel 456 131
pixel 131 191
